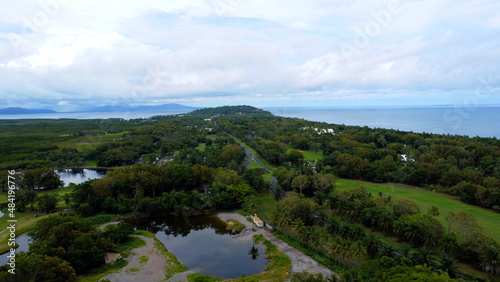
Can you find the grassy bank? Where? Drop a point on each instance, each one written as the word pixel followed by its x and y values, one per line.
pixel 487 219
pixel 277 270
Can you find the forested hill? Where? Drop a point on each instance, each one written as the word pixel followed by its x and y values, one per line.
pixel 230 110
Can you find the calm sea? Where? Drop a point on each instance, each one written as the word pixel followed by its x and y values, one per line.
pixel 472 121
pixel 481 121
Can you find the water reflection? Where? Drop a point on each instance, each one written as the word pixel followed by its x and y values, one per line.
pixel 254 253
pixel 78 176
pixel 203 243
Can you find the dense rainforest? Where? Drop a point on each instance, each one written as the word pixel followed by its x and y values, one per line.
pixel 202 162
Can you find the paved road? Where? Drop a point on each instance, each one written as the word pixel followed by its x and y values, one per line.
pixel 253 158
pixel 249 153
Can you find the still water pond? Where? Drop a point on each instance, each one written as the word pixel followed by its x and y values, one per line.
pixel 78 176
pixel 203 243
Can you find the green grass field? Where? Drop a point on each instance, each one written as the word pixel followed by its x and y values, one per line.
pixel 266 205
pixel 201 147
pixel 60 191
pixel 253 165
pixel 487 219
pixel 87 143
pixel 310 155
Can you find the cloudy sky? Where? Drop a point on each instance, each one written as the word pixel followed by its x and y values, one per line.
pixel 71 54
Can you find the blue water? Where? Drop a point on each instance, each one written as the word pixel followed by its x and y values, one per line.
pixel 472 121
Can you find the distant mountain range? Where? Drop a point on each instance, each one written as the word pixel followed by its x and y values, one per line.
pixel 124 108
pixel 23 111
pixel 104 109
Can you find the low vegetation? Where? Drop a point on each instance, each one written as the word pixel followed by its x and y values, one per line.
pixel 173 265
pixel 333 197
pixel 234 225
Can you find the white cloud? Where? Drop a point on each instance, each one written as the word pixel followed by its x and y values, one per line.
pixel 204 51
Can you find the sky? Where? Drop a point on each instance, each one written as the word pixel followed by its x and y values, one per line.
pixel 69 55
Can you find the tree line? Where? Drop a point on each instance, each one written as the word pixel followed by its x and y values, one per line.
pixel 468 168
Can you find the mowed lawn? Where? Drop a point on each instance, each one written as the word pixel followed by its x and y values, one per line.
pixel 60 191
pixel 488 220
pixel 309 155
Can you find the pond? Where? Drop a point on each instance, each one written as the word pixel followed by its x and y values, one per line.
pixel 23 241
pixel 78 176
pixel 203 243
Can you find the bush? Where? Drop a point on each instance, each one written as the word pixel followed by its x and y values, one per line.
pixel 120 232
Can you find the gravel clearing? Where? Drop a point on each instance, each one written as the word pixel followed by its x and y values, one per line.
pixel 151 270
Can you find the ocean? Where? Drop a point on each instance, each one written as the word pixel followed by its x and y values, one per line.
pixel 483 121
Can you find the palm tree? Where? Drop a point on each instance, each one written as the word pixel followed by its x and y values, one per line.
pixel 333 200
pixel 385 222
pixel 372 244
pixel 322 218
pixel 430 238
pixel 308 236
pixel 404 252
pixel 449 242
pixel 423 256
pixel 413 234
pixel 332 225
pixel 351 210
pixel 490 260
pixel 278 192
pixel 358 250
pixel 297 226
pixel 370 215
pixel 449 265
pixel 385 251
pixel 283 220
pixel 398 227
pixel 357 232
